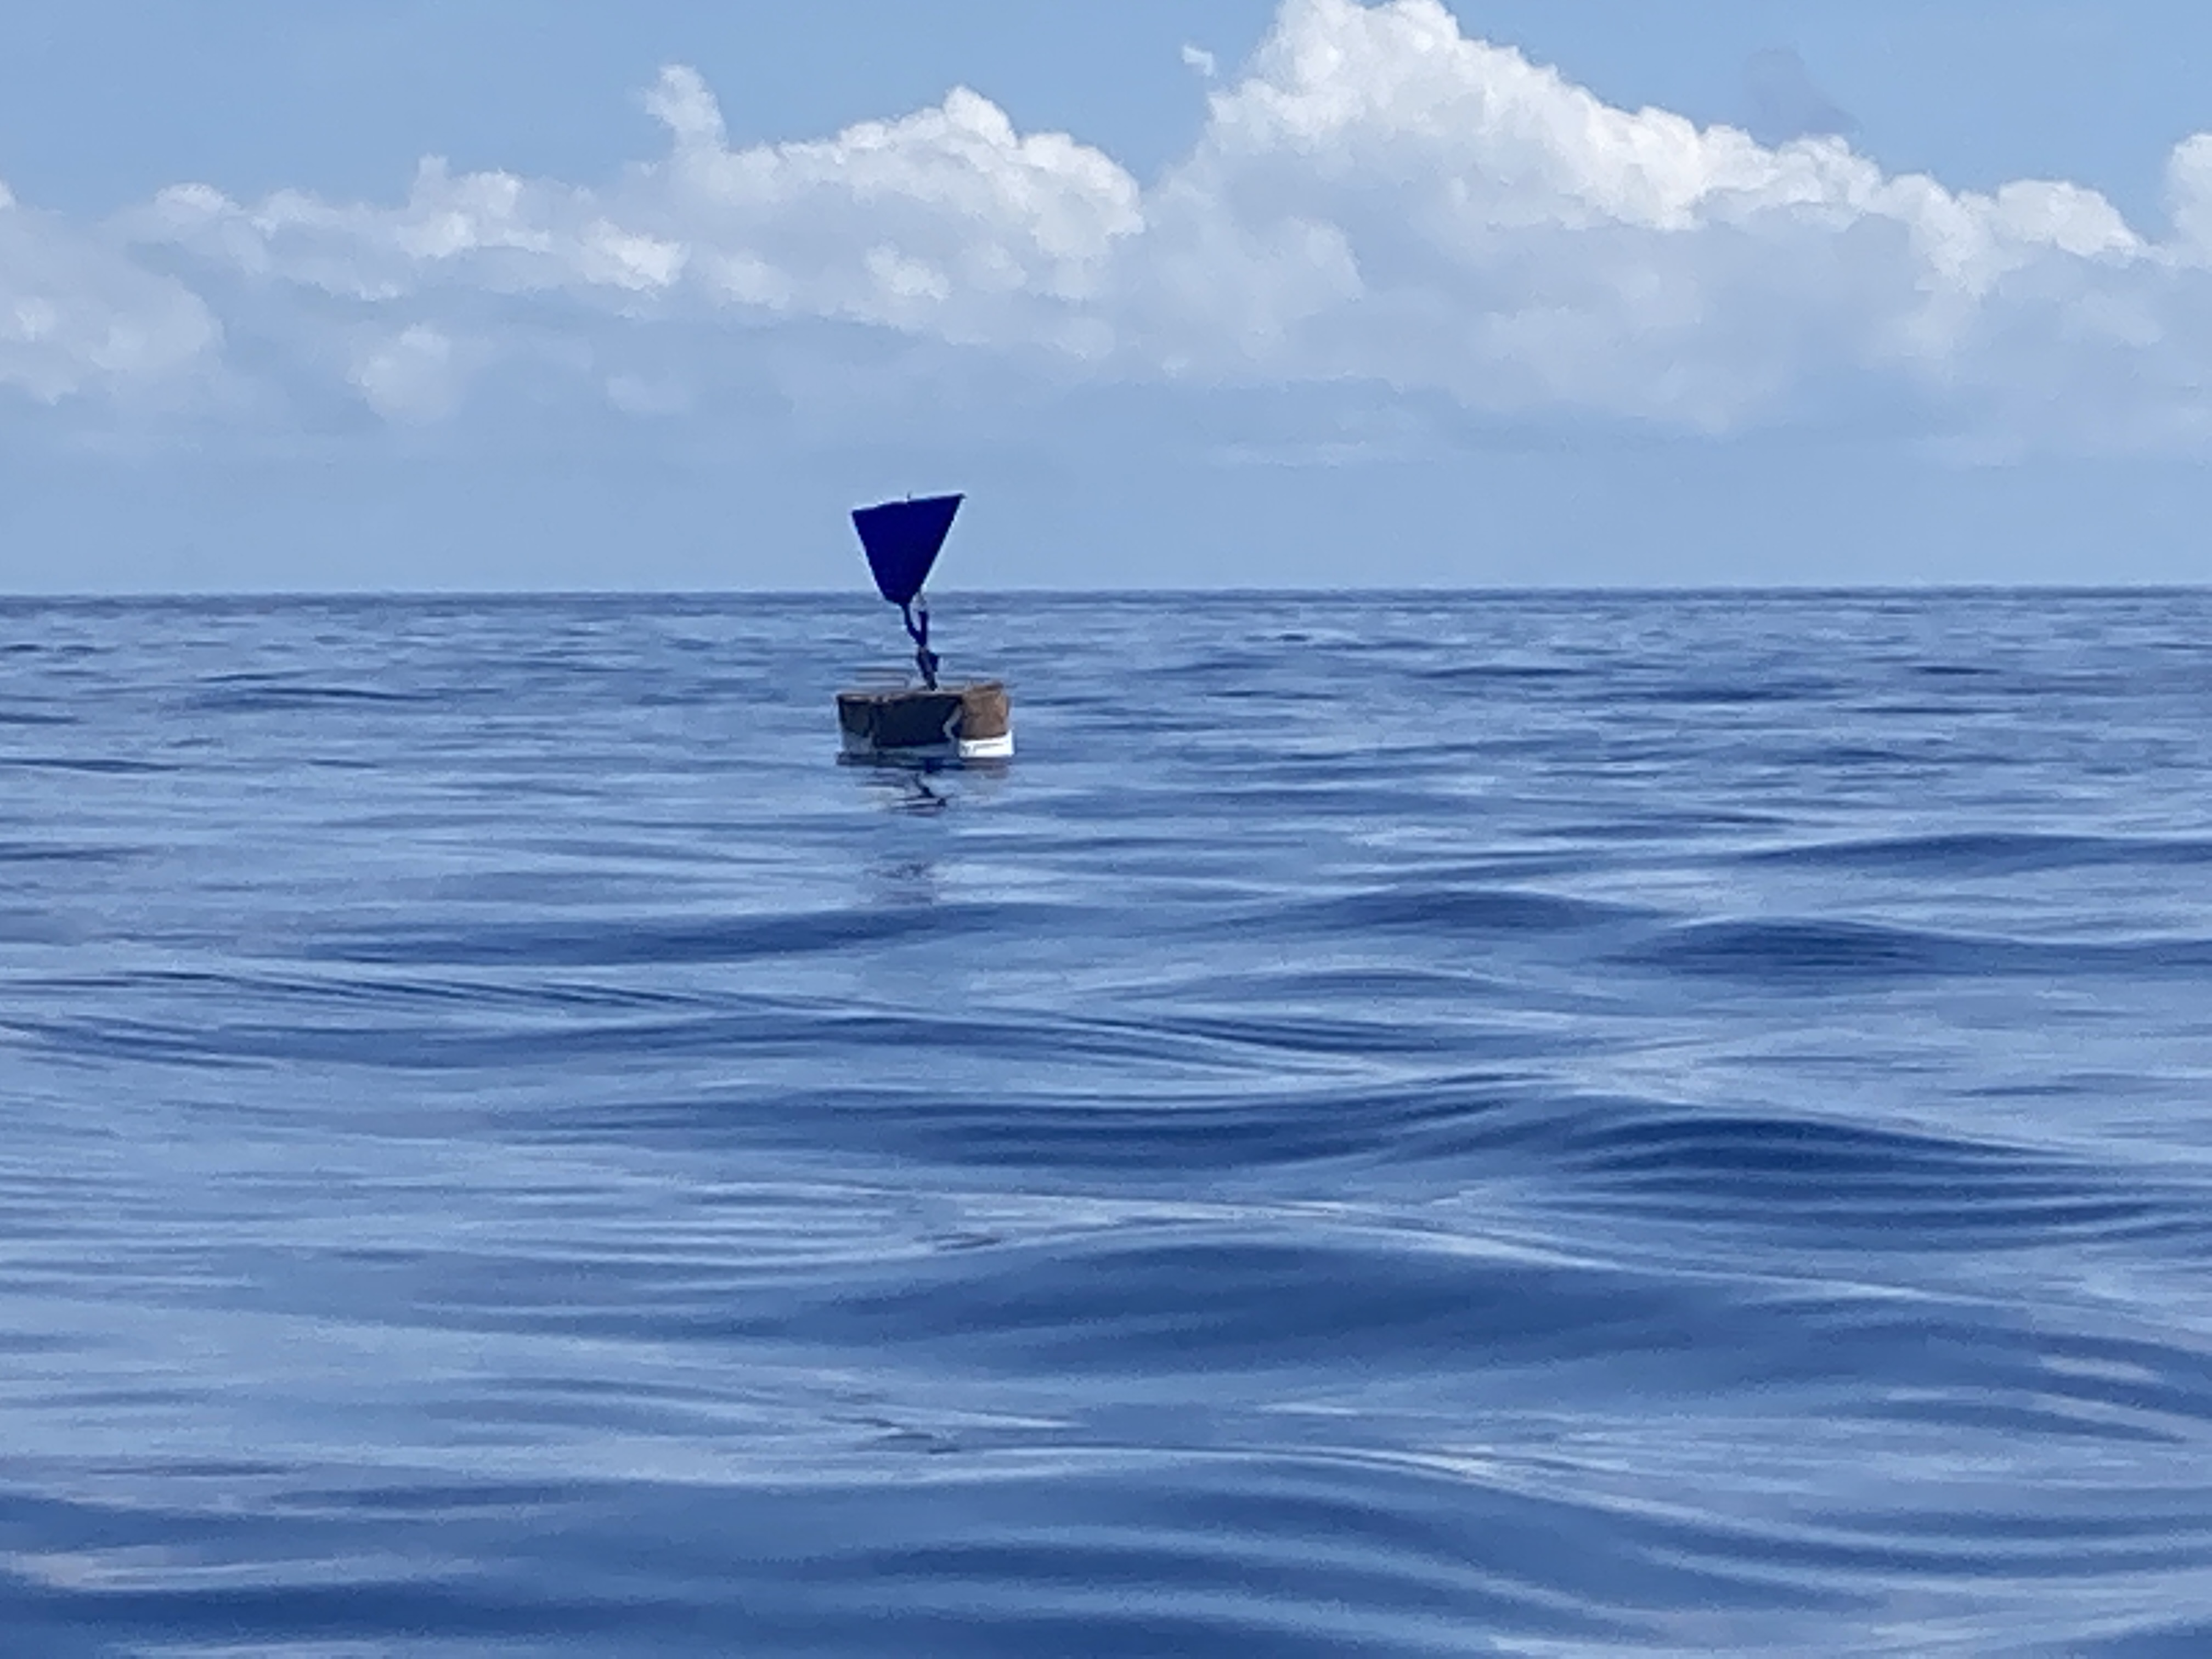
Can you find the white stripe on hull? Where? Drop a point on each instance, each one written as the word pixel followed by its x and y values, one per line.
pixel 977 749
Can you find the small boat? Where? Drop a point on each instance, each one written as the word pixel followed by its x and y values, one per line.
pixel 972 720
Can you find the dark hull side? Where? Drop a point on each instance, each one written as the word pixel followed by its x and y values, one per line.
pixel 954 722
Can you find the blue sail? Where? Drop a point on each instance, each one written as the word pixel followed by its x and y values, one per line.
pixel 902 539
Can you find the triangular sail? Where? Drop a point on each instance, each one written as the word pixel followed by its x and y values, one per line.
pixel 903 539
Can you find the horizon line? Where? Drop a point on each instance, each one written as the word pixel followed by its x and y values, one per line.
pixel 1734 590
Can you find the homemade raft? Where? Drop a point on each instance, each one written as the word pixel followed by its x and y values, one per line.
pixel 928 722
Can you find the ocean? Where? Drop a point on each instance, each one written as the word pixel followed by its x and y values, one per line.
pixel 1536 1124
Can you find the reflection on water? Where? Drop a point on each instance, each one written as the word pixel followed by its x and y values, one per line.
pixel 930 785
pixel 904 882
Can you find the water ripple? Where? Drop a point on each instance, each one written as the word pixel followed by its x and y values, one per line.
pixel 512 1150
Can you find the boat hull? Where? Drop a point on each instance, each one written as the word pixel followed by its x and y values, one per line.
pixel 950 723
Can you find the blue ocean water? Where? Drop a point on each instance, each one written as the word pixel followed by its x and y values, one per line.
pixel 1544 1125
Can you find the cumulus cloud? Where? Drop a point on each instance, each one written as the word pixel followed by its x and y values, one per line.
pixel 77 317
pixel 1380 200
pixel 416 375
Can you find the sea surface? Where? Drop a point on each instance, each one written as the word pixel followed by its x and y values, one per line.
pixel 1426 1124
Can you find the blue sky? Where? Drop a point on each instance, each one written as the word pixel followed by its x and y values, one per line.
pixel 1221 292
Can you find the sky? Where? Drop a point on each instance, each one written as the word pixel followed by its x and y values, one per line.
pixel 439 295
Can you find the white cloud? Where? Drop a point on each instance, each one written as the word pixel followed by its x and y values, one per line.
pixel 1200 58
pixel 1394 201
pixel 1379 200
pixel 415 376
pixel 78 318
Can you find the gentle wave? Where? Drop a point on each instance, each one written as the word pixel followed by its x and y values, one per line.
pixel 1398 1124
